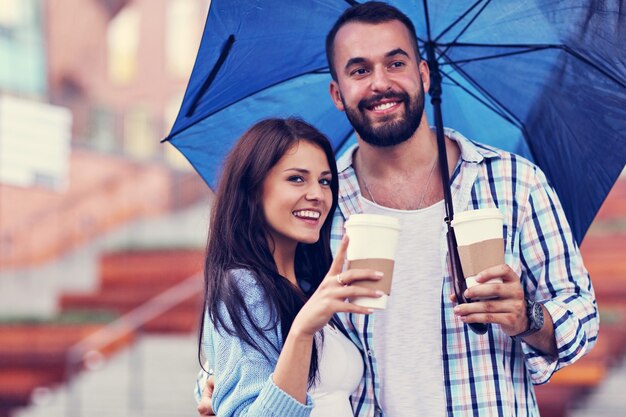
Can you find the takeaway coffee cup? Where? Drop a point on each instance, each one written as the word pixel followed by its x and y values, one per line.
pixel 479 241
pixel 373 241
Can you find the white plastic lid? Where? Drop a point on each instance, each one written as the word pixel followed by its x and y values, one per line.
pixel 373 220
pixel 480 214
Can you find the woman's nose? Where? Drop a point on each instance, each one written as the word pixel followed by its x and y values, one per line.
pixel 314 192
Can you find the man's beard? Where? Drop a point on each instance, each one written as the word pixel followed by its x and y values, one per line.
pixel 390 132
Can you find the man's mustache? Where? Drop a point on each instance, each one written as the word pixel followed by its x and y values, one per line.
pixel 371 101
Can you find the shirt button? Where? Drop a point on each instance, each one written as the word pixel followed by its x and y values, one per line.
pixel 370 353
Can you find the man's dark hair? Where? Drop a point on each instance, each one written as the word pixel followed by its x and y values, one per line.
pixel 372 12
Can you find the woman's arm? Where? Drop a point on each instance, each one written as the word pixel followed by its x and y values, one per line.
pixel 247 383
pixel 292 369
pixel 243 382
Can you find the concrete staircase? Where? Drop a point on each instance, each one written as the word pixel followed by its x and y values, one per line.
pixel 32 357
pixel 130 278
pixel 608 400
pixel 152 378
pixel 38 355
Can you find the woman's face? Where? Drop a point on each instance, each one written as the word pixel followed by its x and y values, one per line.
pixel 297 195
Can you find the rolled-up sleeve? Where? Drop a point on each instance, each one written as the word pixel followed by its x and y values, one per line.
pixel 553 274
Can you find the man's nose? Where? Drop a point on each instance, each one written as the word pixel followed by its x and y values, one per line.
pixel 380 80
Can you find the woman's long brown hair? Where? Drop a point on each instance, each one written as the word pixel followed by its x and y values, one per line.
pixel 238 238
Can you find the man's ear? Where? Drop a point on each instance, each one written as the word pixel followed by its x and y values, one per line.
pixel 335 95
pixel 425 74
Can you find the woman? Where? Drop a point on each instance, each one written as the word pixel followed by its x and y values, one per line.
pixel 271 285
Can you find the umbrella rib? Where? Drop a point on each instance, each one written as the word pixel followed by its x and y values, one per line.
pixel 494 56
pixel 314 71
pixel 207 83
pixel 503 112
pixel 468 25
pixel 532 48
pixel 587 61
pixel 495 109
pixel 458 19
pixel 352 2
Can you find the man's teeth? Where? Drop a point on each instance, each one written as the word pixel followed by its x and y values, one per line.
pixel 384 106
pixel 309 214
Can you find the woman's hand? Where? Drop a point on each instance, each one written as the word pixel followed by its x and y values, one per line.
pixel 205 406
pixel 330 297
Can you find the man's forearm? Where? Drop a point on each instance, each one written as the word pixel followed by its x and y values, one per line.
pixel 544 340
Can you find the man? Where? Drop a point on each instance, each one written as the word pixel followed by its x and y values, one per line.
pixel 421 358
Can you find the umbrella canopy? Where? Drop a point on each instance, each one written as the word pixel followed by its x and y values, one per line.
pixel 544 79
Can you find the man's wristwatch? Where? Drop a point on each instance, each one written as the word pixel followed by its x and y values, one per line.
pixel 534 312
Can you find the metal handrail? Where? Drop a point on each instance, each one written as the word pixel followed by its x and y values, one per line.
pixel 90 346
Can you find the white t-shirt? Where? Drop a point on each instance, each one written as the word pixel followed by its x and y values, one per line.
pixel 340 372
pixel 407 335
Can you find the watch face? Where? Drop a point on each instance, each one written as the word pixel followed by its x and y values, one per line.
pixel 537 316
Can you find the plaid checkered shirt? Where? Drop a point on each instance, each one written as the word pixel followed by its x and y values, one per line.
pixel 493 374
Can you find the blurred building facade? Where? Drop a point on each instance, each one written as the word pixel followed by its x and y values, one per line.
pixel 121 66
pixel 87 90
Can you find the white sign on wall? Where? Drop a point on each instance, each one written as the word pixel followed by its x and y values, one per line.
pixel 34 143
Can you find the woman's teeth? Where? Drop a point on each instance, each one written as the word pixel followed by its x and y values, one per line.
pixel 307 214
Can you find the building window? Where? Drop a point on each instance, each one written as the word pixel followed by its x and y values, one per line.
pixel 10 13
pixel 123 45
pixel 183 32
pixel 101 129
pixel 140 140
pixel 22 56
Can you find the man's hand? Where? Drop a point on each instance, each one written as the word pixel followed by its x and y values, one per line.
pixel 508 306
pixel 205 406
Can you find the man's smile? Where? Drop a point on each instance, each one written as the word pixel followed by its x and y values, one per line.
pixel 383 103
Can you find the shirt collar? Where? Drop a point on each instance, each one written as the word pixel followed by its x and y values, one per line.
pixel 471 151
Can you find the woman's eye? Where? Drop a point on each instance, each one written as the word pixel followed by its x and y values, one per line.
pixel 295 178
pixel 325 181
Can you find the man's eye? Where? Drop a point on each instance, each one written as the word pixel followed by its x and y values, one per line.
pixel 295 178
pixel 397 64
pixel 359 71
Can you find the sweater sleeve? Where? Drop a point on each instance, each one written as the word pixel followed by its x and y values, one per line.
pixel 243 375
pixel 556 277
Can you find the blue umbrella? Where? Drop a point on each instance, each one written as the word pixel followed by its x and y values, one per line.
pixel 544 79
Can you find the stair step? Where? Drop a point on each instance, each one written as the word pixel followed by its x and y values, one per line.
pixel 16 386
pixel 121 302
pixel 43 337
pixel 556 400
pixel 174 322
pixel 611 244
pixel 614 206
pixel 150 266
